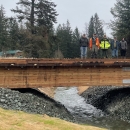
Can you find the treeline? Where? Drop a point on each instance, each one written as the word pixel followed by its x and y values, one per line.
pixel 33 32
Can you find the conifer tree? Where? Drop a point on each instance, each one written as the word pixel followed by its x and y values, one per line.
pixel 36 12
pixel 13 31
pixel 98 27
pixel 39 15
pixel 3 30
pixel 121 23
pixel 64 33
pixel 75 43
pixel 95 26
pixel 91 27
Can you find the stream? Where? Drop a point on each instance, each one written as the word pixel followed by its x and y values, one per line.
pixel 86 113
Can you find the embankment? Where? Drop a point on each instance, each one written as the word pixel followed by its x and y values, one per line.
pixel 33 101
pixel 114 101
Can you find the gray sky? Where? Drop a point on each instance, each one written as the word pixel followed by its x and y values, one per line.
pixel 78 12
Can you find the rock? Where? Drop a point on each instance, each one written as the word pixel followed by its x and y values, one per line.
pixel 114 101
pixel 33 102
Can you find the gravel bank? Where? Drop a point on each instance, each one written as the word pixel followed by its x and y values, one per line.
pixel 33 102
pixel 114 101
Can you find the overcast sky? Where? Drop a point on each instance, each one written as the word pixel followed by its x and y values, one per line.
pixel 78 12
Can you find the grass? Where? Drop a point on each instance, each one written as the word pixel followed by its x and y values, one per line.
pixel 17 120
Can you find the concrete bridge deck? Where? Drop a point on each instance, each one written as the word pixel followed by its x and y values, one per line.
pixel 36 73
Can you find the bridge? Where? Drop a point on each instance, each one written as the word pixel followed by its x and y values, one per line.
pixel 36 73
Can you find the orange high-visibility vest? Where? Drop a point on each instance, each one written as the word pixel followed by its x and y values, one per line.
pixel 97 43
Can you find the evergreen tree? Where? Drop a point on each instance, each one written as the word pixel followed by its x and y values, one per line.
pixel 3 30
pixel 54 45
pixel 46 13
pixel 98 27
pixel 95 26
pixel 91 27
pixel 121 23
pixel 75 44
pixel 41 12
pixel 64 34
pixel 39 16
pixel 13 31
pixel 86 29
pixel 68 40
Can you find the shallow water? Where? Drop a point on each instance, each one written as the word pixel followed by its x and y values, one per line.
pixel 87 113
pixel 76 104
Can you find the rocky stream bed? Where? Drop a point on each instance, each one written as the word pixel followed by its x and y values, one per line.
pixel 104 106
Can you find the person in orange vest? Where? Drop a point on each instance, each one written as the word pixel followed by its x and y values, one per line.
pixel 94 46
